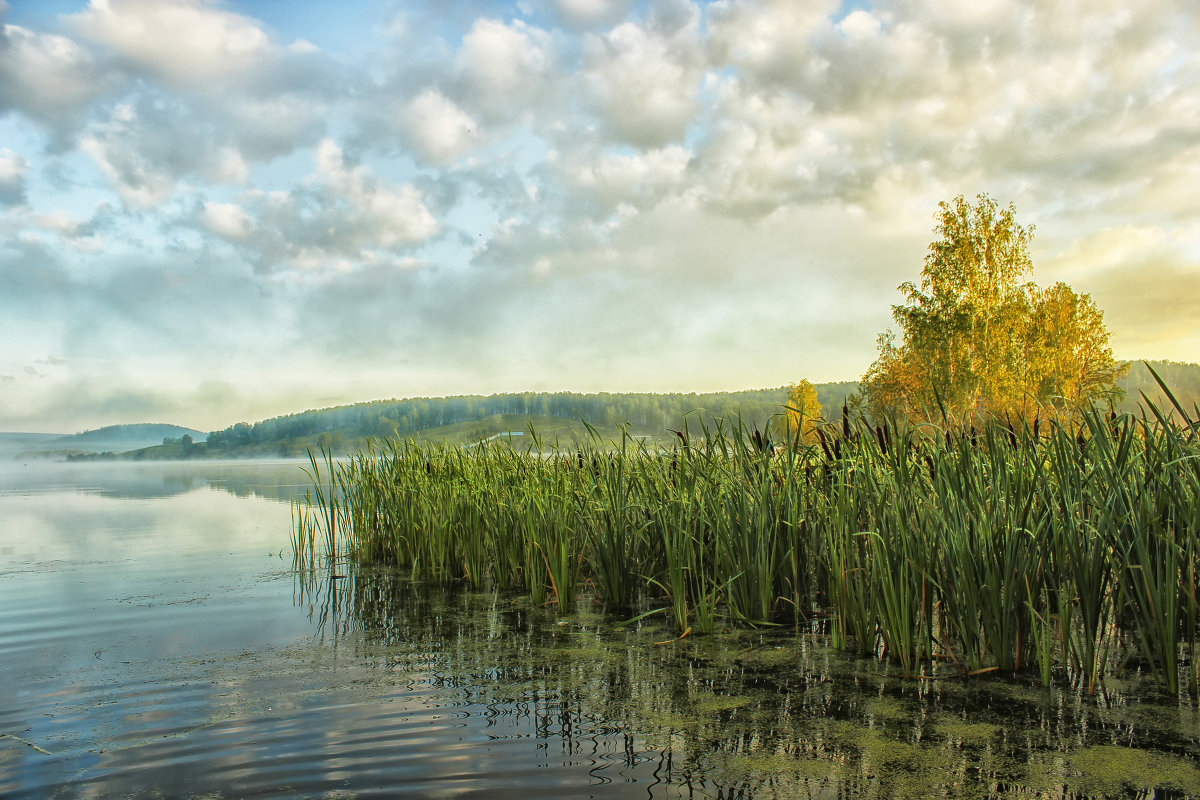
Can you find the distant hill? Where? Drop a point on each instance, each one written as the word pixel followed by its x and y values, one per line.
pixel 468 418
pixel 112 439
pixel 142 434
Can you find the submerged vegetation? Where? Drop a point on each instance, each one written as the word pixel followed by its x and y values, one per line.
pixel 746 713
pixel 1068 551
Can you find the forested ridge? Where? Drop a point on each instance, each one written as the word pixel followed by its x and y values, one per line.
pixel 646 413
pixel 649 414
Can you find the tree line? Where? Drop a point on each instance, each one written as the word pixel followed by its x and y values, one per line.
pixel 645 413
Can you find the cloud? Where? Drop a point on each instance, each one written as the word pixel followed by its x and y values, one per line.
pixel 440 130
pixel 151 144
pixel 228 220
pixel 50 79
pixel 146 147
pixel 566 193
pixel 643 81
pixel 12 177
pixel 641 179
pixel 501 69
pixel 199 49
pixel 590 13
pixel 181 42
pixel 383 216
pixel 502 83
pixel 1145 279
pixel 771 41
pixel 769 150
pixel 341 217
pixel 267 126
pixel 210 78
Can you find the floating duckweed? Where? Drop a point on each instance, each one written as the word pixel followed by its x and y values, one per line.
pixel 851 731
pixel 770 657
pixel 889 708
pixel 879 750
pixel 714 703
pixel 774 765
pixel 961 731
pixel 1110 770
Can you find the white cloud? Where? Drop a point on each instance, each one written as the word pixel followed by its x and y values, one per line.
pixel 137 181
pixel 184 42
pixel 265 127
pixel 860 26
pixel 742 182
pixel 771 40
pixel 503 68
pixel 769 150
pixel 643 177
pixel 440 130
pixel 227 220
pixel 236 95
pixel 391 217
pixel 342 218
pixel 145 147
pixel 591 13
pixel 49 78
pixel 66 226
pixel 976 15
pixel 643 82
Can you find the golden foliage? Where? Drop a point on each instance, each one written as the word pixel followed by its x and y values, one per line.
pixel 801 415
pixel 978 339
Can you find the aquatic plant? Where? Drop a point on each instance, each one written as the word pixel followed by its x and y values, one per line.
pixel 1071 549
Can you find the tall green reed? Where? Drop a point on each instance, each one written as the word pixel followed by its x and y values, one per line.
pixel 1068 547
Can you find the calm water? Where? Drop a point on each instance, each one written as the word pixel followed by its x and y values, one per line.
pixel 156 642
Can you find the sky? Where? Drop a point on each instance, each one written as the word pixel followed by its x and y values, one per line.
pixel 214 212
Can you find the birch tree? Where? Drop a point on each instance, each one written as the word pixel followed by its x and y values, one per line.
pixel 977 337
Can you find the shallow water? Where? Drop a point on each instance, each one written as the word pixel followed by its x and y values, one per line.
pixel 155 641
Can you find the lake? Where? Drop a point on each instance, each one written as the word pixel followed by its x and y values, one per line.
pixel 156 640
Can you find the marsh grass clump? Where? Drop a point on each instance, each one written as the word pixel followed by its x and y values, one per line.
pixel 1068 549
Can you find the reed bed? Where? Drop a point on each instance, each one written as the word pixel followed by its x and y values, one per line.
pixel 1069 551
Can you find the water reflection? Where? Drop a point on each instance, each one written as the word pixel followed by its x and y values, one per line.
pixel 759 714
pixel 151 647
pixel 153 641
pixel 282 480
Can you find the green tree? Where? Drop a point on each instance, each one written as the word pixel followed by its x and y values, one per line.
pixel 978 338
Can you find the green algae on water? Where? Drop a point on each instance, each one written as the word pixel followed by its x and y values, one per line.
pixel 1111 770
